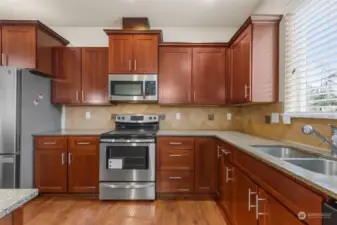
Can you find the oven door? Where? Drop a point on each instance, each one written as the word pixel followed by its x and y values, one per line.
pixel 127 162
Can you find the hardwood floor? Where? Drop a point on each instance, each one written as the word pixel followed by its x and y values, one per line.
pixel 46 210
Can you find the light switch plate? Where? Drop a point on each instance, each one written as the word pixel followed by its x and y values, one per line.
pixel 229 116
pixel 87 115
pixel 275 118
pixel 177 116
pixel 286 119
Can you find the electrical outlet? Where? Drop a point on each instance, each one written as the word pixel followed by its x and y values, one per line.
pixel 229 116
pixel 177 116
pixel 210 117
pixel 162 116
pixel 87 115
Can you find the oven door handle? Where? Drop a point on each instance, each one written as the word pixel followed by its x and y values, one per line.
pixel 128 186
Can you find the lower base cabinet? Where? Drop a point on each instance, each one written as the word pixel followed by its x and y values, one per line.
pixel 66 164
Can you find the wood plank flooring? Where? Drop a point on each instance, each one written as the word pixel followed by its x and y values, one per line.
pixel 46 210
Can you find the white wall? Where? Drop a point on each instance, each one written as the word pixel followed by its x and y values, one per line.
pixel 95 36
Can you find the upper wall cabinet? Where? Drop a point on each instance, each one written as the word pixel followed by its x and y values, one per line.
pixel 254 61
pixel 28 44
pixel 133 52
pixel 192 75
pixel 81 75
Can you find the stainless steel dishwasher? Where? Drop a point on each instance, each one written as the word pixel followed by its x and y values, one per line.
pixel 330 212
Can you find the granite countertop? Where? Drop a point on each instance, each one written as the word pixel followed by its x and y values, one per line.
pixel 11 199
pixel 89 132
pixel 323 183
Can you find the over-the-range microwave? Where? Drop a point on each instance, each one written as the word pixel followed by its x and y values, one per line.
pixel 133 87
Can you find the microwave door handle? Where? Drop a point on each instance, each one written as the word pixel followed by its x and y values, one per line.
pixel 144 88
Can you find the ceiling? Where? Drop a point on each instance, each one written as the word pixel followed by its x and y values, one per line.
pixel 108 13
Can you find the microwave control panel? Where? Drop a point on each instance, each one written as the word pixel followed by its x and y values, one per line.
pixel 150 88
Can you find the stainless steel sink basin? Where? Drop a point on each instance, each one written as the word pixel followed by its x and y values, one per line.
pixel 284 152
pixel 322 166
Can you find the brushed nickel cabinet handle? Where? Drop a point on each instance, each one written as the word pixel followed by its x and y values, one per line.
pixel 62 161
pixel 175 178
pixel 135 65
pixel 49 143
pixel 219 149
pixel 225 152
pixel 3 59
pixel 69 159
pixel 246 91
pixel 227 175
pixel 83 95
pixel 183 189
pixel 77 95
pixel 129 65
pixel 258 207
pixel 175 155
pixel 250 193
pixel 175 143
pixel 83 143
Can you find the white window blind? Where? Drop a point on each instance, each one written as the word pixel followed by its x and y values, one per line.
pixel 311 60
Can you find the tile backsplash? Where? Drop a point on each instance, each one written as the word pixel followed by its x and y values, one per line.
pixel 253 122
pixel 191 118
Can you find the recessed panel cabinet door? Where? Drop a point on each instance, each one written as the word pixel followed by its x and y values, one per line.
pixel 50 170
pixel 19 46
pixel 244 199
pixel 175 75
pixel 205 165
pixel 121 54
pixel 145 52
pixel 67 71
pixel 274 213
pixel 83 170
pixel 95 75
pixel 209 76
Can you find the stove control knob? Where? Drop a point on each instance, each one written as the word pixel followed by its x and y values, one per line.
pixel 150 118
pixel 123 118
pixel 118 117
pixel 155 118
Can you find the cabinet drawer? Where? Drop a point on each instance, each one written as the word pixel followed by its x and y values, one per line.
pixel 88 143
pixel 175 160
pixel 50 142
pixel 175 143
pixel 175 181
pixel 292 194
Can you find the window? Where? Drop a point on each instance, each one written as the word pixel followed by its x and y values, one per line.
pixel 311 60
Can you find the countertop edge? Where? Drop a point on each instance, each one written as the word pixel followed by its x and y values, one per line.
pixel 11 208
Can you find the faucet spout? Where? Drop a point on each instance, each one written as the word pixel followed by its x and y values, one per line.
pixel 309 130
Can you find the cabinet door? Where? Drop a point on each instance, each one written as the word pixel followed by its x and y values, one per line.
pixel 1 54
pixel 271 212
pixel 120 54
pixel 209 76
pixel 66 88
pixel 244 199
pixel 95 75
pixel 175 75
pixel 145 53
pixel 50 172
pixel 83 170
pixel 19 46
pixel 205 165
pixel 241 68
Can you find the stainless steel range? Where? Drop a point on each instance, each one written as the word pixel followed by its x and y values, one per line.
pixel 127 159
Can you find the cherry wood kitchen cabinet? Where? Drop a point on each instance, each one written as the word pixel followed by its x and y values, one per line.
pixel 133 52
pixel 254 66
pixel 66 164
pixel 66 88
pixel 83 164
pixel 50 164
pixel 95 75
pixel 81 76
pixel 209 76
pixel 28 44
pixel 175 75
pixel 205 165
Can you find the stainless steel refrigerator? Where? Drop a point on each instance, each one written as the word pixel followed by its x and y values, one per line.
pixel 25 109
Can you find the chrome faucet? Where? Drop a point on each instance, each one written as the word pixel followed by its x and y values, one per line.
pixel 332 142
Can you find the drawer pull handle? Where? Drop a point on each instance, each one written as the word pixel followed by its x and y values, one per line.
pixel 225 152
pixel 49 143
pixel 258 207
pixel 227 174
pixel 175 178
pixel 175 143
pixel 174 155
pixel 83 143
pixel 250 193
pixel 183 189
pixel 204 188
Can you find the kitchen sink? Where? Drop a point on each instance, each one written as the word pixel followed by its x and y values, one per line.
pixel 284 152
pixel 320 165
